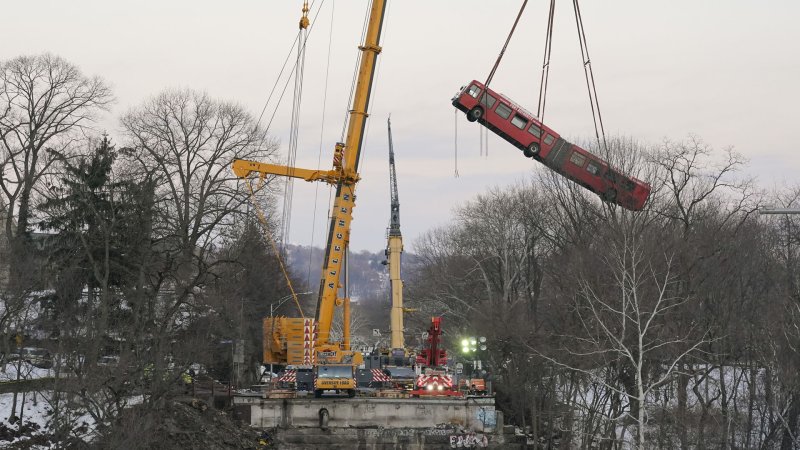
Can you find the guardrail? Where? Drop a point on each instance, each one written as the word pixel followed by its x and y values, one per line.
pixel 25 385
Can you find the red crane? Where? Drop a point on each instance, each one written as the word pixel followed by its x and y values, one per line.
pixel 432 355
pixel 434 378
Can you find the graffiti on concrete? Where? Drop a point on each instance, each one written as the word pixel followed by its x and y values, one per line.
pixel 488 417
pixel 383 432
pixel 470 440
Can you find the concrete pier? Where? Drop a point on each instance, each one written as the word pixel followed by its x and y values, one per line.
pixel 469 414
pixel 377 423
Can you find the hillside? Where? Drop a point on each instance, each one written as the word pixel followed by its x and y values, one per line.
pixel 369 277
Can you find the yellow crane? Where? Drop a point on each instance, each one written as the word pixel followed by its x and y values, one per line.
pixel 394 249
pixel 287 340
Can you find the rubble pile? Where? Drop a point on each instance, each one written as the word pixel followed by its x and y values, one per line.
pixel 187 423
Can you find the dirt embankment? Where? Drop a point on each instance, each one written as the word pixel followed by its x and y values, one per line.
pixel 185 424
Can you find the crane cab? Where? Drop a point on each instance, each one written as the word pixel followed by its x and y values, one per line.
pixel 335 378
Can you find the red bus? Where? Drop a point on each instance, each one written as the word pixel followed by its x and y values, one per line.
pixel 522 129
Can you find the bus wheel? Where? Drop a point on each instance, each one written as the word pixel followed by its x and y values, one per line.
pixel 317 393
pixel 475 114
pixel 610 195
pixel 532 150
pixel 351 393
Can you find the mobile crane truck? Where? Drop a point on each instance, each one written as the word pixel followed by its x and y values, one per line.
pixel 308 341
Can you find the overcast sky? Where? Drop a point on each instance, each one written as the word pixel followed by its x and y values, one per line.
pixel 726 71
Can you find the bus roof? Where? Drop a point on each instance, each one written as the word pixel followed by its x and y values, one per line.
pixel 517 106
pixel 513 104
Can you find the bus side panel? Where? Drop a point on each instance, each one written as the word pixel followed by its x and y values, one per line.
pixel 640 194
pixel 519 136
pixel 559 158
pixel 523 138
pixel 491 121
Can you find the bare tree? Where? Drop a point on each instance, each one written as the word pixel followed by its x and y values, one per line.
pixel 703 202
pixel 625 323
pixel 783 345
pixel 708 357
pixel 696 182
pixel 45 104
pixel 183 143
pixel 484 274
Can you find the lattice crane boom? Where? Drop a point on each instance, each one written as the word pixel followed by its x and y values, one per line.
pixel 393 251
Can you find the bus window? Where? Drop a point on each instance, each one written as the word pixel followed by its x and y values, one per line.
pixel 519 121
pixel 627 184
pixel 474 91
pixel 488 100
pixel 535 130
pixel 503 110
pixel 611 176
pixel 593 168
pixel 577 159
pixel 549 139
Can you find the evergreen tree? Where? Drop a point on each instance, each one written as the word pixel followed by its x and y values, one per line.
pixel 95 225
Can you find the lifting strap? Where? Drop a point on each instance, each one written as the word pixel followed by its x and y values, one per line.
pixel 283 68
pixel 455 142
pixel 587 70
pixel 484 146
pixel 321 141
pixel 263 219
pixel 503 50
pixel 294 128
pixel 548 44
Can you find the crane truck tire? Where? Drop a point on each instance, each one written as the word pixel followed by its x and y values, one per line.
pixel 475 114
